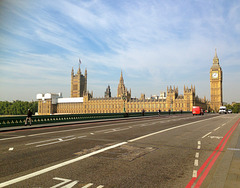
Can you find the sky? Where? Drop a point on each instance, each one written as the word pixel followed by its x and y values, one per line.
pixel 156 43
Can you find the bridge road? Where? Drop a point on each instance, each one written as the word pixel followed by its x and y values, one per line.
pixel 161 151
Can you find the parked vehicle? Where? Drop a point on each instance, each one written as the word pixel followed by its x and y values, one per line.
pixel 222 110
pixel 229 111
pixel 197 110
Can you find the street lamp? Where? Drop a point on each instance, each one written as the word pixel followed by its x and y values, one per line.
pixel 124 99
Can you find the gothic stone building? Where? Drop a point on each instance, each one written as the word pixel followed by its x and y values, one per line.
pixel 216 77
pixel 83 102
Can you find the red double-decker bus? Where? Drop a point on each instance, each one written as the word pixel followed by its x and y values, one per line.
pixel 197 110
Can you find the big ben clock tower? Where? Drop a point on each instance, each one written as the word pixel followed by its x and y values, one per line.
pixel 216 84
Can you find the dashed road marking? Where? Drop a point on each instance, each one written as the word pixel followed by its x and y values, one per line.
pixel 197 155
pixel 196 162
pixel 207 134
pixel 216 128
pixel 194 174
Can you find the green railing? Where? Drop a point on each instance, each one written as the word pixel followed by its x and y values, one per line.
pixel 43 119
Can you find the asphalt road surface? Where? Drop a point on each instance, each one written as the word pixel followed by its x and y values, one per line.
pixel 166 151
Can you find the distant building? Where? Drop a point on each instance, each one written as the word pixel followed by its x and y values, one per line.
pixel 163 95
pixel 78 83
pixel 82 102
pixel 107 93
pixel 216 77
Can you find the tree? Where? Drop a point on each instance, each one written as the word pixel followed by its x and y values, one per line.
pixel 17 107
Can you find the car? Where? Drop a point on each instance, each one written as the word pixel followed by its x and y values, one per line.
pixel 229 111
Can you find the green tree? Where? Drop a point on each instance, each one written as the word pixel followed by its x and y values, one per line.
pixel 17 107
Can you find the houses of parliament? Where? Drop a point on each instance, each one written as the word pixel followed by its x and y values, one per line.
pixel 83 102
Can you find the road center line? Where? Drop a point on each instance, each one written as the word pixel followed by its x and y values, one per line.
pixel 216 128
pixel 207 134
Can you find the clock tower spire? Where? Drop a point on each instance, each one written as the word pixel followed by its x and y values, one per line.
pixel 216 84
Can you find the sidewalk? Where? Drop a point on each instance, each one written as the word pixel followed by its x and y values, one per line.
pixel 227 174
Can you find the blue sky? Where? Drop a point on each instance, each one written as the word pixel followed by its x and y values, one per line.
pixel 155 43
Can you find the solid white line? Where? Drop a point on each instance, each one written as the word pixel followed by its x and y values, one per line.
pixel 12 138
pixel 10 182
pixel 207 134
pixel 216 128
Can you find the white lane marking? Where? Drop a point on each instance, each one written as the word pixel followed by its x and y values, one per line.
pixel 199 147
pixel 10 182
pixel 48 140
pixel 64 181
pixel 70 185
pixel 82 136
pixel 165 130
pixel 85 128
pixel 100 186
pixel 223 124
pixel 197 155
pixel 28 176
pixel 115 130
pixel 196 162
pixel 10 149
pixel 216 128
pixel 194 174
pixel 234 149
pixel 218 137
pixel 12 138
pixel 88 185
pixel 207 134
pixel 199 142
pixel 55 142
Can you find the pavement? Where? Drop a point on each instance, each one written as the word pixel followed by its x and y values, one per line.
pixel 227 172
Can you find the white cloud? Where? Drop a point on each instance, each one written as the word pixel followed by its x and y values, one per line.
pixel 158 42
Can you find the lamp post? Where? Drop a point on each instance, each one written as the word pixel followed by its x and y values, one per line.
pixel 124 99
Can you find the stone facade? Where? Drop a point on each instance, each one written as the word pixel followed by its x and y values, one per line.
pixel 82 102
pixel 216 77
pixel 78 83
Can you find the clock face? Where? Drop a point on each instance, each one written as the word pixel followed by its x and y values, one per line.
pixel 215 75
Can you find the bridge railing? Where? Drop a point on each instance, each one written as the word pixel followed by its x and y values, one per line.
pixel 43 119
